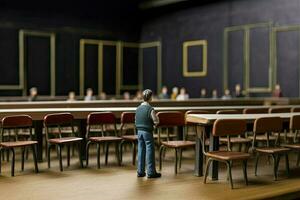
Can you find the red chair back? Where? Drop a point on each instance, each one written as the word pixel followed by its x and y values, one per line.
pixel 295 122
pixel 98 118
pixel 267 124
pixel 296 109
pixel 224 127
pixel 128 118
pixel 16 121
pixel 58 119
pixel 280 110
pixel 171 118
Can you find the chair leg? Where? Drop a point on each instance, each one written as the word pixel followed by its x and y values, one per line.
pixel 68 154
pixel 133 152
pixel 245 171
pixel 229 173
pixel 79 152
pixel 287 166
pixel 48 155
pixel 13 162
pixel 98 155
pixel 106 152
pixel 87 152
pixel 208 162
pixel 23 158
pixel 275 161
pixel 161 150
pixel 60 157
pixel 176 160
pixel 118 153
pixel 256 163
pixel 180 157
pixel 34 158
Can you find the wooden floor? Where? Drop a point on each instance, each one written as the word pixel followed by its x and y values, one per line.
pixel 113 182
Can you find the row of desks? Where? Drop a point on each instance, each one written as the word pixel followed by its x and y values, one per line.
pixel 207 121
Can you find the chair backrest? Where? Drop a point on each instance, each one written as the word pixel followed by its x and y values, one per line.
pixel 295 109
pixel 16 121
pixel 255 110
pixel 267 124
pixel 280 110
pixel 225 127
pixel 295 123
pixel 58 119
pixel 127 119
pixel 228 112
pixel 170 118
pixel 101 118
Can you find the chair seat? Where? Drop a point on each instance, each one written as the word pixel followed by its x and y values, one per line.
pixel 292 146
pixel 235 140
pixel 228 155
pixel 263 137
pixel 272 150
pixel 178 144
pixel 64 140
pixel 105 139
pixel 17 144
pixel 130 137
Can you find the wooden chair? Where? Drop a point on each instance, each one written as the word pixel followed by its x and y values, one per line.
pixel 295 127
pixel 128 119
pixel 168 120
pixel 102 119
pixel 228 128
pixel 239 140
pixel 59 139
pixel 18 123
pixel 295 109
pixel 267 125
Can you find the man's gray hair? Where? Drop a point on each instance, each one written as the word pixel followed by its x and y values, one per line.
pixel 147 94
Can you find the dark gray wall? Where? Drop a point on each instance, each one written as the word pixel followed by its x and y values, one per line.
pixel 173 26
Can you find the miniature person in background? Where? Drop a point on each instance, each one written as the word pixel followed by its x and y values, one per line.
pixel 138 96
pixel 277 91
pixel 71 96
pixel 164 93
pixel 238 92
pixel 174 93
pixel 214 94
pixel 33 94
pixel 126 95
pixel 102 96
pixel 89 95
pixel 182 95
pixel 145 119
pixel 226 94
pixel 203 93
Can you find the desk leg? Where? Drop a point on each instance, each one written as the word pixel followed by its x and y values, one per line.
pixel 82 131
pixel 38 129
pixel 213 146
pixel 199 158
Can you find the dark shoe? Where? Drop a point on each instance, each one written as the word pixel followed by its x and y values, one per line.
pixel 141 175
pixel 156 175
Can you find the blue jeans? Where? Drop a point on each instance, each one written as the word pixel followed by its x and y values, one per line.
pixel 146 150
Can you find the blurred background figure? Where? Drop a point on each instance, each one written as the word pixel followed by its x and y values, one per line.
pixel 277 91
pixel 203 93
pixel 102 96
pixel 138 95
pixel 214 94
pixel 33 94
pixel 126 95
pixel 226 94
pixel 174 93
pixel 89 95
pixel 238 93
pixel 182 95
pixel 71 96
pixel 164 93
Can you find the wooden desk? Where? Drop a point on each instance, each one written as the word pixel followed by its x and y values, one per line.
pixel 207 120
